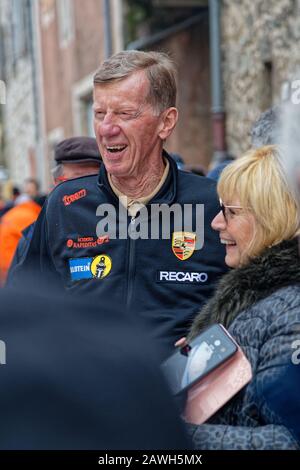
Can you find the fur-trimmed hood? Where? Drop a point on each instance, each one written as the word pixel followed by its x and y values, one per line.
pixel 241 288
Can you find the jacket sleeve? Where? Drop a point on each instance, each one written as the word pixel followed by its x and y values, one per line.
pixel 276 391
pixel 222 437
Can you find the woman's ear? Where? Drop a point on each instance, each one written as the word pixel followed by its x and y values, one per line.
pixel 168 122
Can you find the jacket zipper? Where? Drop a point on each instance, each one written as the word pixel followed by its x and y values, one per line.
pixel 131 264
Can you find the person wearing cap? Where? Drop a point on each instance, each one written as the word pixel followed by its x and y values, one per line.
pixel 74 157
pixel 162 278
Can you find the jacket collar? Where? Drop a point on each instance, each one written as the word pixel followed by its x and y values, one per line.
pixel 241 288
pixel 166 194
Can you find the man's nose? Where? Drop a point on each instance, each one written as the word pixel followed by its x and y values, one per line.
pixel 219 222
pixel 108 127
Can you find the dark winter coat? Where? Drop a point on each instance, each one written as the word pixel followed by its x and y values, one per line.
pixel 145 275
pixel 260 305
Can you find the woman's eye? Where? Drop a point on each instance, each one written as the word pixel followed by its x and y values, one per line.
pixel 231 211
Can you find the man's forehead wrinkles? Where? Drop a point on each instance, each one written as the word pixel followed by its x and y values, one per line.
pixel 116 96
pixel 132 88
pixel 117 103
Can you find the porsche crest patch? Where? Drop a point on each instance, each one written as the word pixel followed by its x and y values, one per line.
pixel 183 244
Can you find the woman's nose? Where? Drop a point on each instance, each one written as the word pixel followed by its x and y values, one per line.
pixel 219 222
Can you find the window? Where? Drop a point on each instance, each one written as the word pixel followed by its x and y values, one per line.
pixel 82 104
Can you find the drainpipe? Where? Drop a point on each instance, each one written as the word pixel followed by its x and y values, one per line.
pixel 39 101
pixel 107 29
pixel 217 110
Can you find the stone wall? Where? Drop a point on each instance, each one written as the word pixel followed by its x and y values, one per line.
pixel 18 111
pixel 260 46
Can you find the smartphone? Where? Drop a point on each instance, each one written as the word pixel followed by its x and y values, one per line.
pixel 205 353
pixel 206 397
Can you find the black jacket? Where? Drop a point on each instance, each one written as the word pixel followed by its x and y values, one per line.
pixel 259 303
pixel 143 275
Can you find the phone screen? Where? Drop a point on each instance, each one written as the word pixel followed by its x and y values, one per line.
pixel 206 352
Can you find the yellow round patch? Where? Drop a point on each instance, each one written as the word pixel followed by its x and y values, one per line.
pixel 101 266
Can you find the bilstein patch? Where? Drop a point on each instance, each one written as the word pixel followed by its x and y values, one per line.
pixel 97 267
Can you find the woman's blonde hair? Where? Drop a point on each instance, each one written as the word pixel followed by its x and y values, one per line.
pixel 259 182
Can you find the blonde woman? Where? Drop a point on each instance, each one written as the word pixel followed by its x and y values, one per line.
pixel 259 303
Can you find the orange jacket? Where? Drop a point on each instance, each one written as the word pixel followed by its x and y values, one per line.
pixel 11 226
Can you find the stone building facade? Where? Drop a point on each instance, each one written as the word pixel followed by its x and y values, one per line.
pixel 51 49
pixel 18 113
pixel 260 46
pixel 48 73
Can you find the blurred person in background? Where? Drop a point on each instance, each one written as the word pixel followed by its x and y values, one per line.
pixel 265 130
pixel 31 187
pixel 215 172
pixel 195 168
pixel 7 205
pixel 178 160
pixel 74 157
pixel 2 202
pixel 12 223
pixel 79 375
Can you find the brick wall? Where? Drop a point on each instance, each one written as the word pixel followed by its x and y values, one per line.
pixel 192 136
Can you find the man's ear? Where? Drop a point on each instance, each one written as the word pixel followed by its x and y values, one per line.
pixel 168 122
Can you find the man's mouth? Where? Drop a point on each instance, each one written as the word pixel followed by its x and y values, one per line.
pixel 115 148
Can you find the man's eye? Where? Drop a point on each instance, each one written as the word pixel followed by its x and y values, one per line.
pixel 126 115
pixel 99 114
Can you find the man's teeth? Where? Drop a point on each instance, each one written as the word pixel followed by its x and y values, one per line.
pixel 227 242
pixel 115 148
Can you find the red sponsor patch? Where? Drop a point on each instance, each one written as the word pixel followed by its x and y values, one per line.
pixel 101 240
pixel 70 198
pixel 87 242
